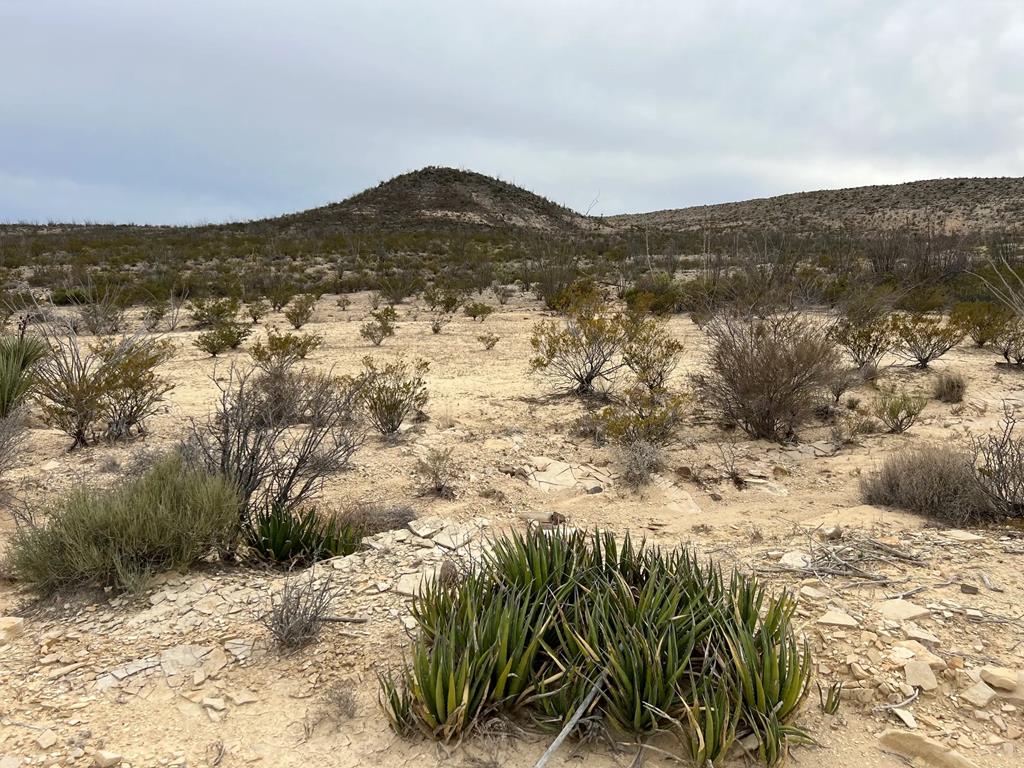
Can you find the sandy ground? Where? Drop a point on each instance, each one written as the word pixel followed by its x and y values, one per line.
pixel 485 406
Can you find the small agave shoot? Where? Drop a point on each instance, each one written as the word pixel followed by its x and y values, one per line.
pixel 643 641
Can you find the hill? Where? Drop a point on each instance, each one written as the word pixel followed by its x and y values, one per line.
pixel 964 205
pixel 438 198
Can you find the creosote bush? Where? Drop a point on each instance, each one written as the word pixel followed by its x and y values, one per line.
pixel 392 392
pixel 654 640
pixel 865 339
pixel 998 461
pixel 923 339
pixel 899 410
pixel 301 309
pixel 170 517
pixel 281 351
pixel 983 321
pixel 767 374
pixel 478 310
pixel 222 337
pixel 210 313
pixel 488 340
pixel 582 351
pixel 380 326
pixel 438 471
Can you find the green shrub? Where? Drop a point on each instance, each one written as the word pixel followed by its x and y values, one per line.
pixel 301 309
pixel 865 339
pixel 19 356
pixel 478 310
pixel 299 537
pixel 380 326
pixel 488 340
pixel 658 294
pixel 983 321
pixel 221 338
pixel 281 351
pixel 937 481
pixel 641 415
pixel 257 309
pixel 899 410
pixel 392 393
pixel 650 353
pixel 1010 342
pixel 645 640
pixel 132 389
pixel 924 338
pixel 213 313
pixel 169 518
pixel 580 352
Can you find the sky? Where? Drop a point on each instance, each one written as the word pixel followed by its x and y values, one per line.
pixel 195 111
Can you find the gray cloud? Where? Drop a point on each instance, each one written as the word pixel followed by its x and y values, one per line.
pixel 206 110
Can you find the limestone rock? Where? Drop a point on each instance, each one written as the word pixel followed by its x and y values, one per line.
pixel 978 695
pixel 837 618
pixel 10 628
pixel 920 675
pixel 918 747
pixel 999 677
pixel 105 759
pixel 901 610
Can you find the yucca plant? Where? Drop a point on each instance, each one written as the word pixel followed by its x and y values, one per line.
pixel 18 356
pixel 830 697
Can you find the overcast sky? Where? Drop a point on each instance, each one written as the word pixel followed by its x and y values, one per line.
pixel 185 111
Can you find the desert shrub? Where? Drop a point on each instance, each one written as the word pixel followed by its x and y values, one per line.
pixel 569 297
pixel 488 340
pixel 767 374
pixel 937 481
pixel 154 313
pixel 169 518
pixel 579 352
pixel 299 537
pixel 950 387
pixel 641 415
pixel 380 326
pixel 281 351
pixel 300 311
pixel 222 337
pixel 373 517
pixel 277 443
pixel 923 299
pixel 650 353
pixel 842 381
pixel 107 390
pixel 132 389
pixel 439 321
pixel 924 338
pixel 392 393
pixel 998 462
pixel 296 615
pixel 279 293
pixel 1010 342
pixel 443 300
pixel 344 302
pixel 638 461
pixel 213 313
pixel 865 340
pixel 438 471
pixel 478 310
pixel 257 309
pixel 101 310
pixel 983 321
pixel 642 640
pixel 898 410
pixel 19 356
pixel 658 294
pixel 12 433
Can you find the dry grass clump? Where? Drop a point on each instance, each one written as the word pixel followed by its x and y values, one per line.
pixel 298 613
pixel 937 481
pixel 638 460
pixel 438 471
pixel 170 517
pixel 950 387
pixel 899 410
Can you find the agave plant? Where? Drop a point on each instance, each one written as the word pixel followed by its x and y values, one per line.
pixel 654 641
pixel 300 537
pixel 18 356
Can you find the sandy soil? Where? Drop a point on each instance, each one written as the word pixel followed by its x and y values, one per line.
pixel 56 677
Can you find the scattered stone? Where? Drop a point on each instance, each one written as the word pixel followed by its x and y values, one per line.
pixel 183 659
pixel 905 716
pixel 796 559
pixel 837 618
pixel 962 536
pixel 105 759
pixel 916 746
pixel 241 698
pixel 968 589
pixel 46 739
pixel 215 703
pixel 978 695
pixel 812 593
pixel 920 675
pixel 11 627
pixel 426 527
pixel 901 610
pixel 921 653
pixel 1000 677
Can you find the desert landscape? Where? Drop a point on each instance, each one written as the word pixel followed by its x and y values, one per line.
pixel 830 424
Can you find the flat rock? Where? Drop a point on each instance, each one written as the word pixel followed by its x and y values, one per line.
pixel 452 537
pixel 963 536
pixel 812 593
pixel 922 749
pixel 1000 677
pixel 105 759
pixel 10 628
pixel 426 527
pixel 920 653
pixel 901 610
pixel 46 739
pixel 183 658
pixel 978 695
pixel 837 618
pixel 920 675
pixel 795 559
